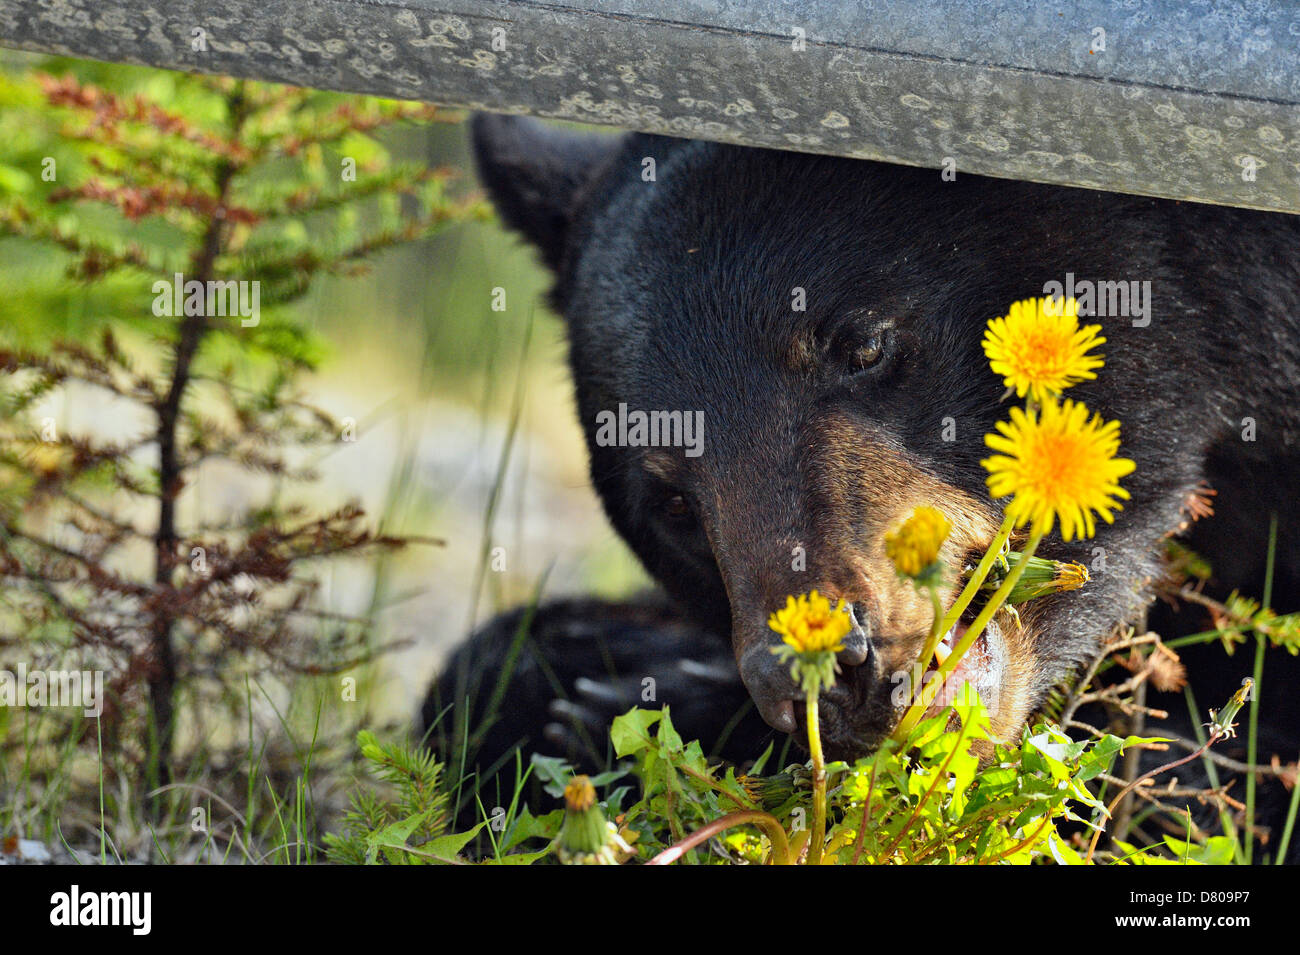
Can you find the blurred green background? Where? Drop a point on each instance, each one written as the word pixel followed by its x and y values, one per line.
pixel 432 375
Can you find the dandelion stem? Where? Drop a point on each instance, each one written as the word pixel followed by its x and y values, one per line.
pixel 937 630
pixel 819 782
pixel 1024 843
pixel 930 691
pixel 763 821
pixel 945 622
pixel 941 776
pixel 976 580
pixel 866 811
pixel 995 603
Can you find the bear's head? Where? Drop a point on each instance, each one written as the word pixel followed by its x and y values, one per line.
pixel 777 357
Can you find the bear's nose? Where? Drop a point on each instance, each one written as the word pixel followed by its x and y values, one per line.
pixel 770 686
pixel 857 642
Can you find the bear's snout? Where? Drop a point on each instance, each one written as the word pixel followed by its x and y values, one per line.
pixel 770 683
pixel 770 686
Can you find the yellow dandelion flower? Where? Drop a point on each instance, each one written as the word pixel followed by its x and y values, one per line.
pixel 1059 465
pixel 914 547
pixel 1039 349
pixel 579 794
pixel 809 624
pixel 1071 576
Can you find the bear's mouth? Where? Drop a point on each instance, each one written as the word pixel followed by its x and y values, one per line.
pixel 862 708
pixel 982 666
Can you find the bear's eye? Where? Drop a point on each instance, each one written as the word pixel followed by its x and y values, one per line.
pixel 677 511
pixel 869 349
pixel 869 353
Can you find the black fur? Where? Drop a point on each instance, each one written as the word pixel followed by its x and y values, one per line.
pixel 677 293
pixel 575 663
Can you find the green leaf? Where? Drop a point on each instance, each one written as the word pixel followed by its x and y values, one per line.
pixel 1061 852
pixel 392 836
pixel 1218 850
pixel 553 772
pixel 527 826
pixel 449 846
pixel 630 733
pixel 521 858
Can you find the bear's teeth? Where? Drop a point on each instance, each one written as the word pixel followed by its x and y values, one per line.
pixel 944 649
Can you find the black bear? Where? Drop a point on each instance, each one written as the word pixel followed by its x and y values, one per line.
pixel 807 330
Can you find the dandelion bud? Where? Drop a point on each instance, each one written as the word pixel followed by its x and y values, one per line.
pixel 914 547
pixel 586 838
pixel 1039 578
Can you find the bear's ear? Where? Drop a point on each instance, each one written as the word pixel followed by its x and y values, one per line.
pixel 533 173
